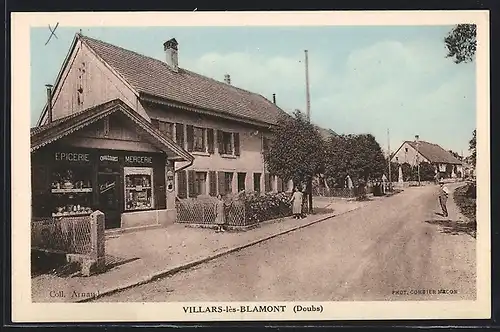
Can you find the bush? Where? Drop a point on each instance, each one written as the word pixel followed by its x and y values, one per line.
pixel 264 207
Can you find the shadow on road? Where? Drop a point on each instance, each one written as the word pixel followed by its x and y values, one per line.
pixel 455 227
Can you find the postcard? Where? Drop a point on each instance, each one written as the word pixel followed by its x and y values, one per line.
pixel 250 166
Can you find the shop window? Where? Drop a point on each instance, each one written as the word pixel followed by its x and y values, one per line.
pixel 199 141
pixel 138 188
pixel 71 190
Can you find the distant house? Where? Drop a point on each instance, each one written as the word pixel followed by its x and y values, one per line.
pixel 215 132
pixel 413 152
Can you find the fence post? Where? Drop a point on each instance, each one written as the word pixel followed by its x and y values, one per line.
pixel 98 239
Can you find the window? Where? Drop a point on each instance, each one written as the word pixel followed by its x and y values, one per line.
pixel 256 182
pixel 406 149
pixel 201 183
pixel 228 182
pixel 71 190
pixel 138 188
pixel 166 128
pixel 199 142
pixel 229 143
pixel 241 181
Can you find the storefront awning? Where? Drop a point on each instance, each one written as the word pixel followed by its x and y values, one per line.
pixel 49 133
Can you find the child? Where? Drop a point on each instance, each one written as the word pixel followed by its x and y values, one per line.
pixel 220 218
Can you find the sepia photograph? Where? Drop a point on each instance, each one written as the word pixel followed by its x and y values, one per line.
pixel 280 169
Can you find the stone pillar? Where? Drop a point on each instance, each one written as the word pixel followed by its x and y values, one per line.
pixel 98 240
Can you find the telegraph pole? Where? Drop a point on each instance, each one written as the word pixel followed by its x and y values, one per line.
pixel 308 113
pixel 418 162
pixel 389 154
pixel 308 100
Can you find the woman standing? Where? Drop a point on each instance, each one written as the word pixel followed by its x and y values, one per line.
pixel 220 218
pixel 297 203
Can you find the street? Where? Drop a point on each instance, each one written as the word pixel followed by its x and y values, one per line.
pixel 392 249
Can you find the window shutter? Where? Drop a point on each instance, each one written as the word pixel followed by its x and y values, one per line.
pixel 210 140
pixel 212 179
pixel 190 137
pixel 155 123
pixel 191 187
pixel 279 184
pixel 267 182
pixel 179 134
pixel 182 183
pixel 220 142
pixel 222 184
pixel 236 137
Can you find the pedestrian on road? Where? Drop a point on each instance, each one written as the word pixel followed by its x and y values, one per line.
pixel 297 200
pixel 220 218
pixel 443 197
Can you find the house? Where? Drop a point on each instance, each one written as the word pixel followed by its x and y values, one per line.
pixel 413 152
pixel 222 127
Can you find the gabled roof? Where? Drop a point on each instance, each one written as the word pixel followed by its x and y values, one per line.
pixel 325 133
pixel 433 152
pixel 51 132
pixel 149 76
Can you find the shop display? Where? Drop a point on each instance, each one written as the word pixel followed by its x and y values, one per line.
pixel 71 189
pixel 138 189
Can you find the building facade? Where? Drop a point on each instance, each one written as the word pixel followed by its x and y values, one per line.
pixel 223 128
pixel 414 152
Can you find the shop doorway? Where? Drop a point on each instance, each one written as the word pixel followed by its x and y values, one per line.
pixel 109 198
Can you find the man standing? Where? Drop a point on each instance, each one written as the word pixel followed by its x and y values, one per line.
pixel 443 197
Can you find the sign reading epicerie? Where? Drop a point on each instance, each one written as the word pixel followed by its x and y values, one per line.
pixel 138 160
pixel 71 156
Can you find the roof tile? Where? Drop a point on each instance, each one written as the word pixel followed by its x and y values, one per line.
pixel 154 77
pixel 434 152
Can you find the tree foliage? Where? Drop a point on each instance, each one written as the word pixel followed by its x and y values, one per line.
pixel 461 43
pixel 295 151
pixel 472 148
pixel 360 156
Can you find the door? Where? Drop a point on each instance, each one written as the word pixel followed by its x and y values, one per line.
pixel 109 199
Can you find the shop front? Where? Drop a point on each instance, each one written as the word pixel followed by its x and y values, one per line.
pixel 106 158
pixel 129 187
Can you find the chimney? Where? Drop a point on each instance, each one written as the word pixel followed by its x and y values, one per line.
pixel 227 79
pixel 49 102
pixel 274 98
pixel 416 138
pixel 171 54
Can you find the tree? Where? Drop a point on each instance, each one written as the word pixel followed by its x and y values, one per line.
pixel 427 171
pixel 461 43
pixel 456 155
pixel 295 151
pixel 360 156
pixel 472 148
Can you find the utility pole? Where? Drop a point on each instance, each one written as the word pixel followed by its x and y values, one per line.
pixel 418 162
pixel 308 113
pixel 308 100
pixel 389 155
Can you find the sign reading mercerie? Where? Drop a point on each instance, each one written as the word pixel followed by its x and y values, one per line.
pixel 138 160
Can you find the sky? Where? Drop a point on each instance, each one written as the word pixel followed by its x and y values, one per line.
pixel 363 79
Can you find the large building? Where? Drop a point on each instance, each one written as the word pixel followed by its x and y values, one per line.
pixel 112 106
